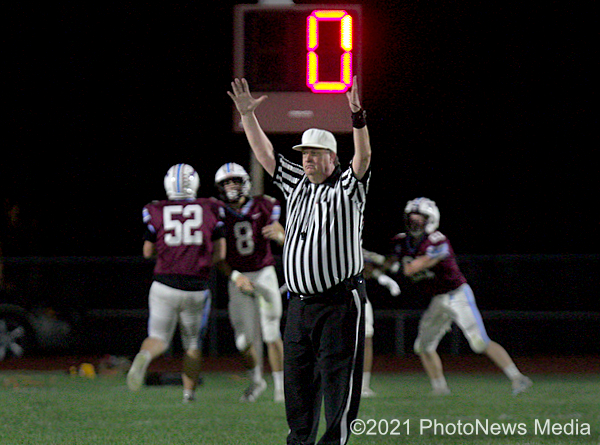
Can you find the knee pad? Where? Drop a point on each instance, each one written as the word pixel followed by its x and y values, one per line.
pixel 420 347
pixel 478 344
pixel 163 337
pixel 271 330
pixel 432 329
pixel 161 330
pixel 241 342
pixel 417 346
pixel 477 338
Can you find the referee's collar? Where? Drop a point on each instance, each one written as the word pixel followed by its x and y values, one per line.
pixel 333 177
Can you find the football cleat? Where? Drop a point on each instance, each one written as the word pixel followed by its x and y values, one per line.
pixel 367 392
pixel 182 182
pixel 137 372
pixel 253 391
pixel 188 396
pixel 279 396
pixel 521 384
pixel 232 171
pixel 440 392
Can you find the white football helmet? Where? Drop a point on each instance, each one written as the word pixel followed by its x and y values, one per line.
pixel 182 182
pixel 427 208
pixel 232 170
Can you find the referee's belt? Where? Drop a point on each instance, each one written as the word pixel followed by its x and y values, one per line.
pixel 347 285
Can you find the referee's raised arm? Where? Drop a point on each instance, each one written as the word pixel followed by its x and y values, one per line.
pixel 362 143
pixel 259 142
pixel 322 264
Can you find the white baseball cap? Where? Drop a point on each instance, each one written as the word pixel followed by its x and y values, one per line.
pixel 316 138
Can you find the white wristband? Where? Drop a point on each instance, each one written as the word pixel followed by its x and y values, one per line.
pixel 280 237
pixel 234 276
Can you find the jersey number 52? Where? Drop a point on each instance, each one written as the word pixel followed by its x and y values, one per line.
pixel 182 224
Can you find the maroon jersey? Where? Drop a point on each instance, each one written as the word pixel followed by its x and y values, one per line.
pixel 444 277
pixel 247 249
pixel 183 232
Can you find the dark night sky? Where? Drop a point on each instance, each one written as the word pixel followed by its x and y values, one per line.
pixel 485 107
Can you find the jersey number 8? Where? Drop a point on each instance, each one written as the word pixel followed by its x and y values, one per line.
pixel 244 239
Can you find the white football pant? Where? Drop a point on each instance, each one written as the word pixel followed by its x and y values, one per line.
pixel 168 306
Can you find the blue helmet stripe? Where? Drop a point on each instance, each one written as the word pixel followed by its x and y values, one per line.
pixel 179 178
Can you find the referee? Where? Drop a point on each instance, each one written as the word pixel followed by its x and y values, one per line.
pixel 325 332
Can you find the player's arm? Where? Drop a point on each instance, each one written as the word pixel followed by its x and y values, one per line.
pixel 258 140
pixel 219 250
pixel 220 261
pixel 360 134
pixel 239 279
pixel 149 249
pixel 433 255
pixel 385 264
pixel 373 258
pixel 374 268
pixel 274 232
pixel 420 264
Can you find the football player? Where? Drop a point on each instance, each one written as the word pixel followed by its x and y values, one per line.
pixel 255 307
pixel 374 263
pixel 186 236
pixel 424 255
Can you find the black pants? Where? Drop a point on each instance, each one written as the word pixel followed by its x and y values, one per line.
pixel 324 343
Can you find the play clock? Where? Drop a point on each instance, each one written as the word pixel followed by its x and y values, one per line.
pixel 303 57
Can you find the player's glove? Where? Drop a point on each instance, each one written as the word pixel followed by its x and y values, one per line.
pixel 391 285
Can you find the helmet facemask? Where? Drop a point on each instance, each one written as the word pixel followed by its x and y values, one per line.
pixel 428 210
pixel 232 189
pixel 415 224
pixel 238 187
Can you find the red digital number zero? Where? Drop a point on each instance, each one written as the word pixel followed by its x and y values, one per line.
pixel 312 58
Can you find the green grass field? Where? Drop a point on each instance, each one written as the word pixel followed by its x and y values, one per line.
pixel 55 408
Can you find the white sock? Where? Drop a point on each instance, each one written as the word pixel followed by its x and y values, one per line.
pixel 512 372
pixel 439 383
pixel 366 382
pixel 278 380
pixel 146 353
pixel 256 374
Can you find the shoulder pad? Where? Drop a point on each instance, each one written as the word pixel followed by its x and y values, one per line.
pixel 152 203
pixel 214 200
pixel 436 237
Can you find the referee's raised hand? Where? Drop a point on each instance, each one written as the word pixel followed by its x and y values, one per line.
pixel 244 102
pixel 352 95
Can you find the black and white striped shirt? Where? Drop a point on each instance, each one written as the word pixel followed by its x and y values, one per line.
pixel 324 224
